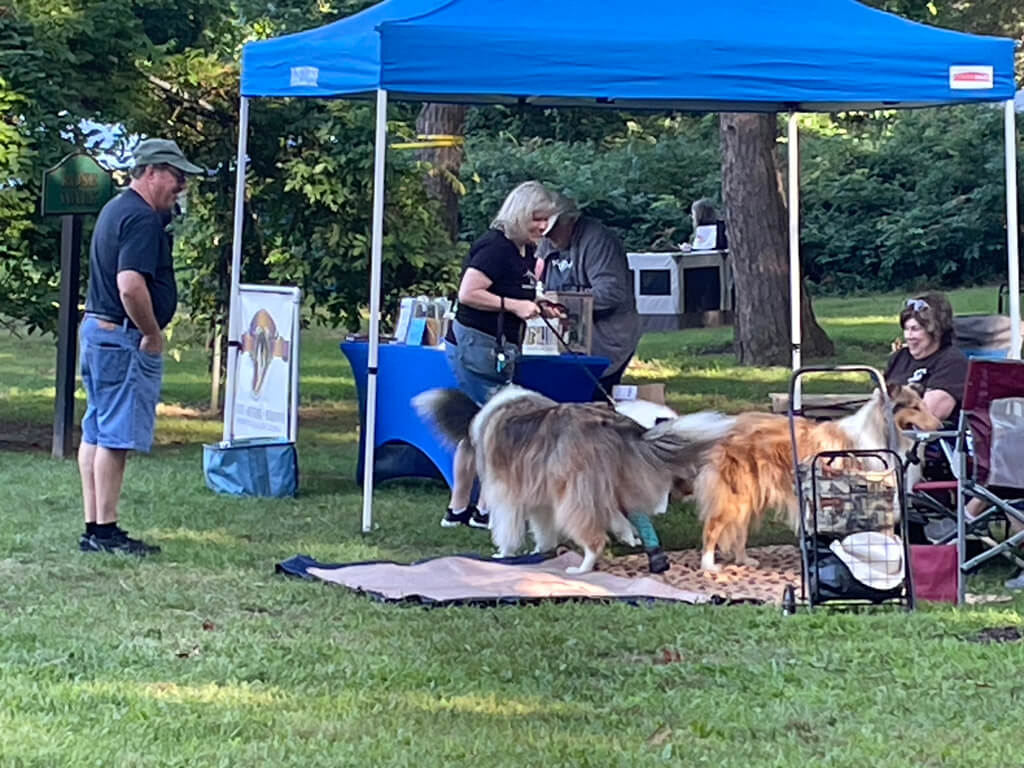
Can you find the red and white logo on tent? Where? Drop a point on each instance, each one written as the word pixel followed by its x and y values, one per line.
pixel 971 77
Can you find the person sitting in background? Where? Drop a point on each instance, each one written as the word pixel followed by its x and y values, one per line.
pixel 708 229
pixel 579 253
pixel 496 297
pixel 928 357
pixel 929 360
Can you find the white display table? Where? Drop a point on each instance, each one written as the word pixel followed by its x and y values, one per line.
pixel 682 290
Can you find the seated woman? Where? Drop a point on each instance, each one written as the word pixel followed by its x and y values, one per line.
pixel 927 357
pixel 928 360
pixel 496 297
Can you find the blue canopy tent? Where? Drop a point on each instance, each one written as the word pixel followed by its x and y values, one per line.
pixel 738 55
pixel 339 59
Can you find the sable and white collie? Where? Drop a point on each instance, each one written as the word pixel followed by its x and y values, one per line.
pixel 568 470
pixel 751 469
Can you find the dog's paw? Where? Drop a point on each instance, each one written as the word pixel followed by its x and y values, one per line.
pixel 575 570
pixel 708 564
pixel 747 560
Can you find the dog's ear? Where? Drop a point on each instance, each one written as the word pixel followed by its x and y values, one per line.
pixel 893 388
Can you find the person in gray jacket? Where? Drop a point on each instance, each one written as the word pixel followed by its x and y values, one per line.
pixel 579 253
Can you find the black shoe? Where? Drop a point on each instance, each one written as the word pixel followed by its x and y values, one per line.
pixel 478 519
pixel 119 542
pixel 454 520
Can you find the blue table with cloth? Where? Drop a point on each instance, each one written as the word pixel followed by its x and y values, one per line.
pixel 407 447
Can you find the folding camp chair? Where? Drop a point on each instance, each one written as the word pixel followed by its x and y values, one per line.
pixel 987 459
pixel 982 335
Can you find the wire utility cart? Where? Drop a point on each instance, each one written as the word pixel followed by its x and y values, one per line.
pixel 853 524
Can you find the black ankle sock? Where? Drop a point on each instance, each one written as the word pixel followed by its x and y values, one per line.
pixel 90 529
pixel 105 530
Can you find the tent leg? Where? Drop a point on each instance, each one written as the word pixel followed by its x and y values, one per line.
pixel 236 268
pixel 369 427
pixel 793 156
pixel 1012 228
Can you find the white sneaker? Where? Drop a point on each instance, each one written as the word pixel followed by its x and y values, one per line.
pixel 1017 582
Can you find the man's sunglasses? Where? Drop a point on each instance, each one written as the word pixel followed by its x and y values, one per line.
pixel 177 173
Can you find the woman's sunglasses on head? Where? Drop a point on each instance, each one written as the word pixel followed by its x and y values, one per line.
pixel 918 305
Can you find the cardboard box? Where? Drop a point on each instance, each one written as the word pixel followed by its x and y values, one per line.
pixel 652 393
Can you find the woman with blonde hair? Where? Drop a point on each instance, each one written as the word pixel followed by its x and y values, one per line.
pixel 496 297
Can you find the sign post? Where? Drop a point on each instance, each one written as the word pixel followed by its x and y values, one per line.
pixel 77 185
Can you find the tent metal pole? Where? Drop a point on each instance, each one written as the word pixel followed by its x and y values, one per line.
pixel 370 425
pixel 1012 228
pixel 236 268
pixel 793 156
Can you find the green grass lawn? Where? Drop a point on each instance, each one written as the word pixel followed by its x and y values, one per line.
pixel 203 657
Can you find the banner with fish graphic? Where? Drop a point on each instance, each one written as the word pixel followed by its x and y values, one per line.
pixel 266 381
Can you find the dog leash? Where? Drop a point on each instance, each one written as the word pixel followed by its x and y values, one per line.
pixel 657 560
pixel 564 310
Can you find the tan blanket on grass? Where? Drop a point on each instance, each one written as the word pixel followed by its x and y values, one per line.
pixel 467 579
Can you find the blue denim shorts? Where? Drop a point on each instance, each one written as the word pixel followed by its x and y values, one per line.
pixel 474 362
pixel 122 387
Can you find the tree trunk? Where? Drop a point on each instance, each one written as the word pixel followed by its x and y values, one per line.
pixel 759 245
pixel 442 179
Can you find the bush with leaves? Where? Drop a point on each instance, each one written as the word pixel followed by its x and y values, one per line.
pixel 903 200
pixel 640 180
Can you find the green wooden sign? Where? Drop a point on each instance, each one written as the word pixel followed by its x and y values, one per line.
pixel 77 184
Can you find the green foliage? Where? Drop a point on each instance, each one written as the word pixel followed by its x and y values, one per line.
pixel 889 200
pixel 640 180
pixel 164 68
pixel 905 200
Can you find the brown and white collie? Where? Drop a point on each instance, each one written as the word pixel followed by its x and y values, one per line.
pixel 568 470
pixel 750 470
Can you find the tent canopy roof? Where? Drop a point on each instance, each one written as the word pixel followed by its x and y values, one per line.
pixel 338 59
pixel 744 55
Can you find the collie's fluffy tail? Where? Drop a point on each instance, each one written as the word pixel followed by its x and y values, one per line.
pixel 682 442
pixel 450 410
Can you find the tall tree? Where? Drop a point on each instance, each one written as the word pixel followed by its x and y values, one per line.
pixel 442 179
pixel 759 244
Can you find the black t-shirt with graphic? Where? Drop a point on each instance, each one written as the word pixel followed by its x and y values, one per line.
pixel 498 258
pixel 945 369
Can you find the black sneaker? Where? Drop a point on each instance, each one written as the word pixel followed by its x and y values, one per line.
pixel 120 542
pixel 478 519
pixel 455 519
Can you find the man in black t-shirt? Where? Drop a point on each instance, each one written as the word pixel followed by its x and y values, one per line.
pixel 131 297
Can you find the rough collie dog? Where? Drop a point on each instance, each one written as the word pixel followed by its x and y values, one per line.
pixel 751 469
pixel 567 470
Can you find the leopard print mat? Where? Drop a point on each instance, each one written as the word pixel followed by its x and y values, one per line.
pixel 779 565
